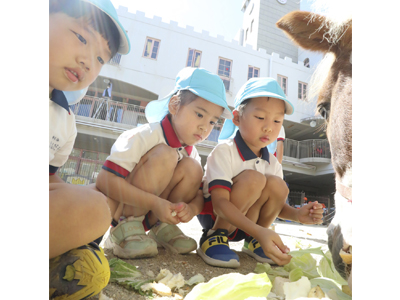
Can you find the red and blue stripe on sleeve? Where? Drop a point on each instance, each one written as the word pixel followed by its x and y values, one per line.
pixel 218 183
pixel 115 169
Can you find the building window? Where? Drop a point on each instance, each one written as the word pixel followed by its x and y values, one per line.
pixel 151 48
pixel 247 32
pixel 253 72
pixel 302 91
pixel 224 71
pixel 194 57
pixel 307 62
pixel 251 25
pixel 282 80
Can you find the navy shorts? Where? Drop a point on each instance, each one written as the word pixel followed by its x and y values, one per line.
pixel 207 220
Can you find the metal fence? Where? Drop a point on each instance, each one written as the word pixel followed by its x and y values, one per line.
pixel 306 148
pixel 119 112
pixel 79 169
pixel 314 148
pixel 110 110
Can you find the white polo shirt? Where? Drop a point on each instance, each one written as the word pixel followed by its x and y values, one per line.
pixel 230 158
pixel 62 131
pixel 131 145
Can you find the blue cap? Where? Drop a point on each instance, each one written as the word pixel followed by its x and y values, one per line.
pixel 201 83
pixel 254 88
pixel 107 7
pixel 74 97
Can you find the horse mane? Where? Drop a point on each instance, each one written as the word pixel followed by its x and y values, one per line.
pixel 338 16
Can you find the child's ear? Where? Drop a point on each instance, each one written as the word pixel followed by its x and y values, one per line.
pixel 235 119
pixel 173 105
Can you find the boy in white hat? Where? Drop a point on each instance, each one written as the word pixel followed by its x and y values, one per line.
pixel 243 187
pixel 83 36
pixel 153 174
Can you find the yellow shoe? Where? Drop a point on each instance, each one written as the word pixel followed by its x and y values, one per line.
pixel 79 273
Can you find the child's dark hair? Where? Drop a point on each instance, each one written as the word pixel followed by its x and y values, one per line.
pixel 241 107
pixel 100 22
pixel 184 97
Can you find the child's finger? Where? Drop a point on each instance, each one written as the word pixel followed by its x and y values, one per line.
pixel 179 206
pixel 182 214
pixel 278 257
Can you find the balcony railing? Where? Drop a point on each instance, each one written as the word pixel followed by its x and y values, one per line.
pixel 128 114
pixel 119 112
pixel 109 110
pixel 307 149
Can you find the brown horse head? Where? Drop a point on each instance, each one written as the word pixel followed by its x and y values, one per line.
pixel 332 81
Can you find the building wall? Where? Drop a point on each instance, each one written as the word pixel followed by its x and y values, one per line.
pixel 267 36
pixel 158 76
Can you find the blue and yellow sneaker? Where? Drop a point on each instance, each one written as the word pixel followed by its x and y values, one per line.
pixel 253 248
pixel 214 250
pixel 79 273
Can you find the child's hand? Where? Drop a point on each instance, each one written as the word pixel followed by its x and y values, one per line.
pixel 184 212
pixel 273 246
pixel 164 211
pixel 311 213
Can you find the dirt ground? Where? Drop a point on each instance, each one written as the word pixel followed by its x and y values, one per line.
pixel 191 264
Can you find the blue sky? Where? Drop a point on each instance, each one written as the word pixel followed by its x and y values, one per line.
pixel 222 17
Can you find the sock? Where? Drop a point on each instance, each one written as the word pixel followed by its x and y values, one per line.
pixel 210 232
pixel 114 223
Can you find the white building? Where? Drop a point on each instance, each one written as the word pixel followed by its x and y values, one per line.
pixel 160 50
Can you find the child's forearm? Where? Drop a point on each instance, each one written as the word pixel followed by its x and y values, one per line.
pixel 120 190
pixel 197 203
pixel 289 213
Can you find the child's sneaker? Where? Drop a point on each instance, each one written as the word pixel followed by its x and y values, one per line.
pixel 214 250
pixel 253 248
pixel 172 238
pixel 129 240
pixel 79 273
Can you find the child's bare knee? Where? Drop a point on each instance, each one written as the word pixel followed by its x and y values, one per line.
pixel 253 179
pixel 191 167
pixel 164 155
pixel 278 186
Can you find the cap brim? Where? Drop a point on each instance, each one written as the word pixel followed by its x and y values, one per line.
pixel 227 114
pixel 124 44
pixel 228 130
pixel 156 110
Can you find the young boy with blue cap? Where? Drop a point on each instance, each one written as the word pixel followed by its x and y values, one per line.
pixel 153 174
pixel 242 185
pixel 83 36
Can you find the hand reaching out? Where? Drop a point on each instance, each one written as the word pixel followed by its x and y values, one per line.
pixel 273 246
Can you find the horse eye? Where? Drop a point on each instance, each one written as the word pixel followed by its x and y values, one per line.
pixel 324 109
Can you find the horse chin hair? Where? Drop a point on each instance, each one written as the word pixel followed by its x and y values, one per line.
pixel 347 178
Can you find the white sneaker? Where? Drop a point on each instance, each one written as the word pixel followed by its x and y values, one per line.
pixel 172 238
pixel 129 240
